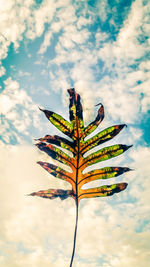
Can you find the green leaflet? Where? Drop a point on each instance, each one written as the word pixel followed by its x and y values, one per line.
pixel 93 125
pixel 102 137
pixel 58 141
pixel 59 122
pixel 75 112
pixel 55 153
pixel 104 154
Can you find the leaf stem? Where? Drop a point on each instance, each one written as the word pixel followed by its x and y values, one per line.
pixel 75 234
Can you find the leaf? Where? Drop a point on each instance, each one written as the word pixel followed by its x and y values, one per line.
pixel 76 114
pixel 93 125
pixel 104 173
pixel 102 137
pixel 59 122
pixel 53 193
pixel 55 153
pixel 78 161
pixel 56 171
pixel 58 141
pixel 102 191
pixel 103 154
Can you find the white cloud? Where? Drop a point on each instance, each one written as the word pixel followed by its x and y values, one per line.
pixel 127 46
pixel 36 22
pixel 141 164
pixel 121 89
pixel 25 219
pixel 46 43
pixel 116 223
pixel 19 18
pixel 12 19
pixel 2 70
pixel 21 73
pixel 10 96
pixel 100 38
pixel 83 22
pixel 103 9
pixel 69 24
pixel 18 109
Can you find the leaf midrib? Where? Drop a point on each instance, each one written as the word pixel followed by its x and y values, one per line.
pixel 78 155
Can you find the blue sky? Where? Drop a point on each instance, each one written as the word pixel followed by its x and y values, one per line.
pixel 102 49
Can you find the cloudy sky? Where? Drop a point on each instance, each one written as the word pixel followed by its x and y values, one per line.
pixel 102 49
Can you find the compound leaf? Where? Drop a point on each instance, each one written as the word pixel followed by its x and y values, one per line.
pixel 78 160
pixel 78 147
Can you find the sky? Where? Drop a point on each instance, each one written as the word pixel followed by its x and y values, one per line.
pixel 101 48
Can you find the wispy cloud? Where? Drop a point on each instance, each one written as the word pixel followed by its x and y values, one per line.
pixel 126 86
pixel 18 111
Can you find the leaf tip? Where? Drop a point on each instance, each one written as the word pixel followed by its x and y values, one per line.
pixel 39 162
pixel 71 91
pixel 41 109
pixel 126 169
pixel 124 186
pixel 47 113
pixel 37 144
pixel 121 187
pixel 32 194
pixel 98 104
pixel 123 125
pixel 125 147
